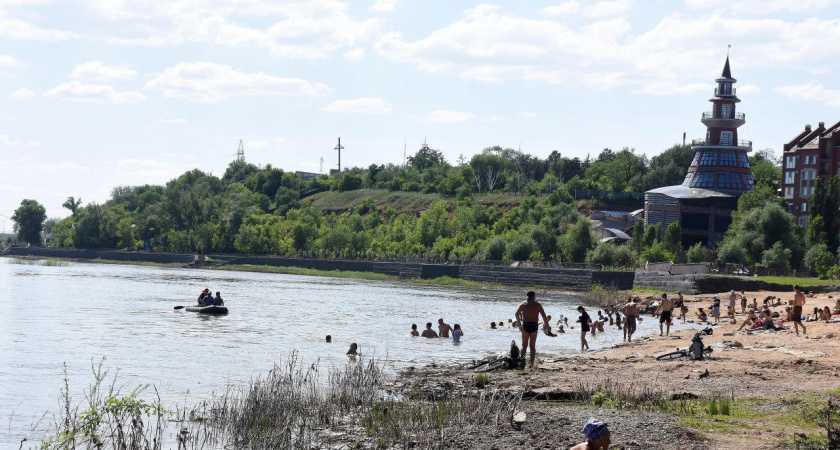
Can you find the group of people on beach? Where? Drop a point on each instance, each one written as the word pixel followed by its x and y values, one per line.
pixel 443 331
pixel 206 299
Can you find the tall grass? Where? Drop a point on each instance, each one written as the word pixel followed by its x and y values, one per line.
pixel 293 406
pixel 53 262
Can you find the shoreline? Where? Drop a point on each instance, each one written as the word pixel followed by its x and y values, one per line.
pixel 302 271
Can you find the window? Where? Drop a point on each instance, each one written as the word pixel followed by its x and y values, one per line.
pixel 790 177
pixel 696 159
pixel 803 221
pixel 745 162
pixel 809 174
pixel 725 138
pixel 729 181
pixel 687 179
pixel 788 193
pixel 807 191
pixel 728 159
pixel 804 207
pixel 726 111
pixel 790 162
pixel 749 182
pixel 703 180
pixel 708 159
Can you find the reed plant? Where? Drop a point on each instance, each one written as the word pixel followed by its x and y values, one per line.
pixel 293 406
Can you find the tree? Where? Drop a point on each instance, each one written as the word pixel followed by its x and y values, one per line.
pixel 759 230
pixel 495 249
pixel 29 221
pixel 576 242
pixel 776 257
pixel 651 235
pixel 697 253
pixel 673 238
pixel 426 158
pixel 520 248
pixel 825 203
pixel 639 236
pixel 818 259
pixel 72 204
pixel 765 166
pixel 655 253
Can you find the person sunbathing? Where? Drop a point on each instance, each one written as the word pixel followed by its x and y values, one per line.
pixel 749 321
pixel 825 314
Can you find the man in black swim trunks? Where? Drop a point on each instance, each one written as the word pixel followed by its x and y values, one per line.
pixel 665 311
pixel 798 303
pixel 528 315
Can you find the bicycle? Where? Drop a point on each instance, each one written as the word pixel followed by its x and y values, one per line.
pixel 493 364
pixel 696 351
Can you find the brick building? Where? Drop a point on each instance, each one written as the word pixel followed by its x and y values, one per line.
pixel 719 173
pixel 812 154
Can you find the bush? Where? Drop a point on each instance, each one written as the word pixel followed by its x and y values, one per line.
pixel 607 254
pixel 697 253
pixel 656 253
pixel 495 249
pixel 821 261
pixel 520 248
pixel 776 257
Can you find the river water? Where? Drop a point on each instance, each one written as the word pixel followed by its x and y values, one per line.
pixel 78 314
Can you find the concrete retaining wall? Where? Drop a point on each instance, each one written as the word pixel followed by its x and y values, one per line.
pixel 161 258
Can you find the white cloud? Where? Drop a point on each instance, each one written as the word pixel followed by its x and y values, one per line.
pixel 210 83
pixel 761 6
pixel 137 170
pixel 599 9
pixel 93 93
pixel 98 70
pixel 527 115
pixel 355 55
pixel 748 89
pixel 22 30
pixel 680 53
pixel 5 140
pixel 256 144
pixel 308 29
pixel 493 119
pixel 448 116
pixel 383 5
pixel 811 91
pixel 365 105
pixel 8 62
pixel 175 121
pixel 22 94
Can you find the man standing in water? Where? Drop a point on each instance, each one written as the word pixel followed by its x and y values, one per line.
pixel 443 328
pixel 528 315
pixel 666 312
pixel 631 312
pixel 798 303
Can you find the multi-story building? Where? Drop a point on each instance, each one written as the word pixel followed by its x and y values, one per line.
pixel 718 175
pixel 812 154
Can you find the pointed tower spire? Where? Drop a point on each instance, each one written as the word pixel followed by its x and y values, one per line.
pixel 726 72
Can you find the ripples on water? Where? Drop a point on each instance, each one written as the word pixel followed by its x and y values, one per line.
pixel 81 313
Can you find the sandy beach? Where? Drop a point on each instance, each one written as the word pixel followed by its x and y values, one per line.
pixel 756 370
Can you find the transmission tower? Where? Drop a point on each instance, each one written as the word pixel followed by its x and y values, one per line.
pixel 240 152
pixel 339 148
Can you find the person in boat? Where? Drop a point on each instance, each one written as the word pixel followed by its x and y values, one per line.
pixel 218 300
pixel 201 297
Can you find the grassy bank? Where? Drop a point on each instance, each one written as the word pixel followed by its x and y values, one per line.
pixel 804 421
pixel 401 202
pixel 798 280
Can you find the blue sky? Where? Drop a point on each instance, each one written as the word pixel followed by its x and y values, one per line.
pixel 100 93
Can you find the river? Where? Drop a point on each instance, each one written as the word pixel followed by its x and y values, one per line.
pixel 80 313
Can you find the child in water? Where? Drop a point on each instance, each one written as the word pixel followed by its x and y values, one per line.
pixel 457 333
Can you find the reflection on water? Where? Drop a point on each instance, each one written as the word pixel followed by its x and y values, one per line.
pixel 84 312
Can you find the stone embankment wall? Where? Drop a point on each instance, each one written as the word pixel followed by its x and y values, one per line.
pixel 571 279
pixel 696 279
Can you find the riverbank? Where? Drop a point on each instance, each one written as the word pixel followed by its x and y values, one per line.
pixel 772 385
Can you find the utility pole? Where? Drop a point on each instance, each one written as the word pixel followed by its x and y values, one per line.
pixel 339 148
pixel 240 152
pixel 404 147
pixel 321 169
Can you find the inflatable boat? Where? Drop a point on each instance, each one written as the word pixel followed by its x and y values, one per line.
pixel 207 309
